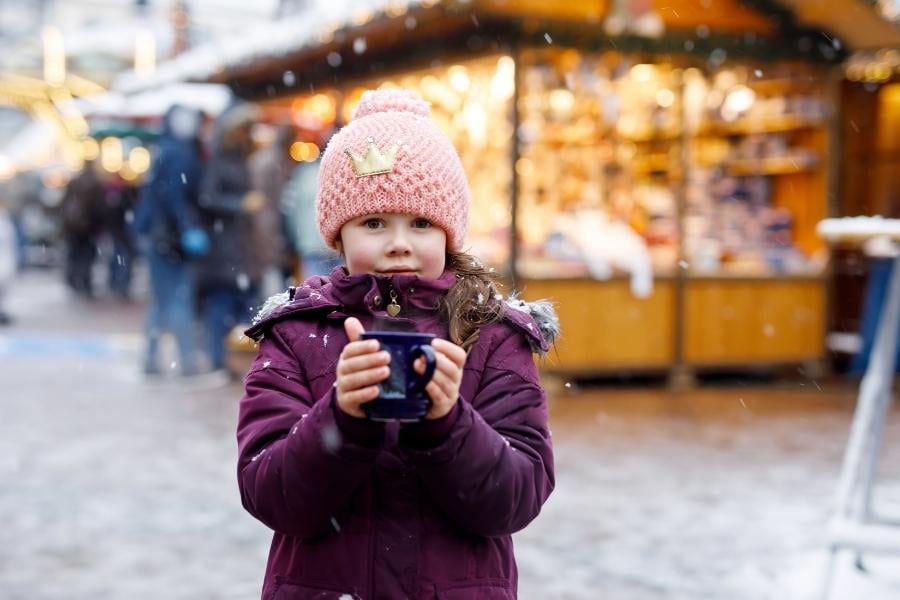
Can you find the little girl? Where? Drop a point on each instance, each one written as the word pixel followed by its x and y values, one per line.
pixel 364 509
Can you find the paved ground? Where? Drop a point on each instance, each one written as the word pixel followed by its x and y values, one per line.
pixel 118 488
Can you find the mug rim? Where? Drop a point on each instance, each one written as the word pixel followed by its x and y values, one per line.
pixel 398 336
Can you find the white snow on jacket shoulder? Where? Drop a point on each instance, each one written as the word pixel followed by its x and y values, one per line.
pixel 271 305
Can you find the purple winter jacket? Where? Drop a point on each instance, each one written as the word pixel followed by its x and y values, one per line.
pixel 369 510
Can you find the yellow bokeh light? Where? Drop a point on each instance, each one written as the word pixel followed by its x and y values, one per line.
pixel 90 149
pixel 562 100
pixel 304 151
pixel 111 158
pixel 643 73
pixel 139 160
pixel 459 78
pixel 665 97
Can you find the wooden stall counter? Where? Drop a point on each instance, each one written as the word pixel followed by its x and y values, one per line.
pixel 605 327
pixel 740 321
pixel 726 322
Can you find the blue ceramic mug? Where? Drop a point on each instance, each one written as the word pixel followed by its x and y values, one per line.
pixel 402 395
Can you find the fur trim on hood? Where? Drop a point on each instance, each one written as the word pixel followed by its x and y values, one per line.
pixel 543 313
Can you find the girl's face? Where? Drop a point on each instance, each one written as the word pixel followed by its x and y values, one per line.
pixel 390 244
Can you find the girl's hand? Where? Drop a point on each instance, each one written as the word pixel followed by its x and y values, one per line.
pixel 443 389
pixel 360 368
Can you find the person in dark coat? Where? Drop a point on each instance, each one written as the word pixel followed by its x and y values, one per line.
pixel 228 282
pixel 119 203
pixel 82 214
pixel 270 170
pixel 166 222
pixel 368 509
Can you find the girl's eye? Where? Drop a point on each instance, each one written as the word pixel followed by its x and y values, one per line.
pixel 373 223
pixel 421 223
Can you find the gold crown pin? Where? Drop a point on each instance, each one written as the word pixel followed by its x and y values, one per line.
pixel 374 162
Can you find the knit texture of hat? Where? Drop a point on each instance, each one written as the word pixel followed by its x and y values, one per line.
pixel 427 178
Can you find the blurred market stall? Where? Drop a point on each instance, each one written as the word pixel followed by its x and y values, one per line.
pixel 657 168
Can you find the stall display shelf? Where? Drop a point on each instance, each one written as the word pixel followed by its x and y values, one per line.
pixel 780 165
pixel 779 124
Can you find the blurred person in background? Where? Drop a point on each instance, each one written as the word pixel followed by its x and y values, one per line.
pixel 82 222
pixel 7 259
pixel 272 258
pixel 299 202
pixel 228 284
pixel 22 190
pixel 119 202
pixel 165 220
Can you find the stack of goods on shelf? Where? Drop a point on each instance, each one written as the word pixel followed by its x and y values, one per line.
pixel 599 162
pixel 752 138
pixel 618 141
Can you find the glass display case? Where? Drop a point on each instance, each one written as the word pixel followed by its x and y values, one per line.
pixel 623 160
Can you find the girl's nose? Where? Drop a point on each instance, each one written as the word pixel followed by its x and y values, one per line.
pixel 399 244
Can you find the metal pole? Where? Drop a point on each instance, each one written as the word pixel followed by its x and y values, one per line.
pixel 860 457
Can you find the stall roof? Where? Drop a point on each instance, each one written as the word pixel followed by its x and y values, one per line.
pixel 857 24
pixel 312 27
pixel 211 98
pixel 264 54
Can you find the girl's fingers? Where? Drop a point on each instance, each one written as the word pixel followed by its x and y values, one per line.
pixel 360 396
pixel 362 362
pixel 434 391
pixel 446 366
pixel 361 347
pixel 444 383
pixel 353 328
pixel 456 354
pixel 361 379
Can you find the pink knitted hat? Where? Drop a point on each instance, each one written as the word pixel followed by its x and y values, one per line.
pixel 391 158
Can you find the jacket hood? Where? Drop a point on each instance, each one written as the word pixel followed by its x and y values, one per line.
pixel 340 295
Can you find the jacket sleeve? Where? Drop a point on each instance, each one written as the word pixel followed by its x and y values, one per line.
pixel 493 470
pixel 297 469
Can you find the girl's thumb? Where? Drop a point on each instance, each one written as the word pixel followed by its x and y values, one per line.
pixel 353 328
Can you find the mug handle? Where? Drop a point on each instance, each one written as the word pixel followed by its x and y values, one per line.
pixel 430 365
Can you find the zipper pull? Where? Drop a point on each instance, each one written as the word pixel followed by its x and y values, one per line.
pixel 393 308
